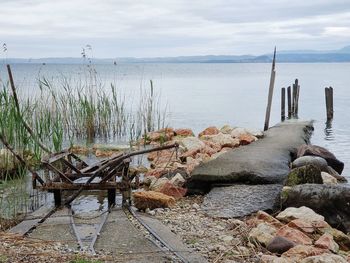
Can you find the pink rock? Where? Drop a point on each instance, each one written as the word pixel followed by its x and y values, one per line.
pixel 209 131
pixel 245 139
pixel 156 172
pixel 172 190
pixel 261 215
pixel 302 225
pixel 183 132
pixel 208 150
pixel 301 251
pixel 326 241
pixel 215 146
pixel 294 235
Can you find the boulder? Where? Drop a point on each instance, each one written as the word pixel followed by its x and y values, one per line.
pixel 330 201
pixel 192 143
pixel 178 180
pixel 294 235
pixel 328 179
pixel 263 234
pixel 183 132
pixel 171 190
pixel 303 175
pixel 339 237
pixel 224 140
pixel 280 245
pixel 334 173
pixel 245 139
pixel 325 258
pixel 209 131
pixel 300 252
pixel 314 150
pixel 319 162
pixel 152 200
pixel 302 212
pixel 241 200
pixel 264 162
pixel 326 241
pixel 236 132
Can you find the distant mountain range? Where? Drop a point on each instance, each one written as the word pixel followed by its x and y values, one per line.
pixel 291 56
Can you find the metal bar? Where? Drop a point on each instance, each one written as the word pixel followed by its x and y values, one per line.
pixel 77 186
pixel 70 165
pixel 98 230
pixel 55 170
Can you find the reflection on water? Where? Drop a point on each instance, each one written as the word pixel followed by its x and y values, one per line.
pixel 328 131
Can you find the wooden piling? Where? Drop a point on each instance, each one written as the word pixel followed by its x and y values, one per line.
pixel 283 104
pixel 289 95
pixel 329 102
pixel 296 104
pixel 272 84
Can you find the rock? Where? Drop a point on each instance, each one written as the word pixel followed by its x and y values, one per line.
pixel 184 132
pixel 314 150
pixel 305 226
pixel 245 139
pixel 262 234
pixel 280 245
pixel 263 162
pixel 294 235
pixel 324 258
pixel 261 215
pixel 226 238
pixel 209 131
pixel 172 190
pixel 195 206
pixel 216 155
pixel 319 162
pixel 332 172
pixel 149 180
pixel 192 143
pixel 339 237
pixel 226 129
pixel 303 213
pixel 331 201
pixel 238 132
pixel 300 252
pixel 303 175
pixel 240 200
pixel 274 259
pixel 178 180
pixel 328 179
pixel 326 241
pixel 152 200
pixel 156 172
pixel 224 140
pixel 158 184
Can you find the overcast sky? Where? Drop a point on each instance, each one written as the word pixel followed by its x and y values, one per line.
pixel 120 28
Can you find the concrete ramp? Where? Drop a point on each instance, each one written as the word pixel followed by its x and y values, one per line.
pixel 263 162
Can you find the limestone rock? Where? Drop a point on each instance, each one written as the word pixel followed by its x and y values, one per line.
pixel 261 215
pixel 328 179
pixel 300 252
pixel 303 213
pixel 326 241
pixel 324 258
pixel 158 184
pixel 238 132
pixel 245 139
pixel 274 259
pixel 339 237
pixel 172 190
pixel 314 150
pixel 152 200
pixel 303 175
pixel 224 140
pixel 280 245
pixel 178 180
pixel 184 132
pixel 319 162
pixel 263 233
pixel 302 225
pixel 227 129
pixel 294 235
pixel 192 143
pixel 209 131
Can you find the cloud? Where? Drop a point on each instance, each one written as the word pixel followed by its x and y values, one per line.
pixel 41 28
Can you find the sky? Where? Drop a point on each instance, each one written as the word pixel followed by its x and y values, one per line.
pixel 157 28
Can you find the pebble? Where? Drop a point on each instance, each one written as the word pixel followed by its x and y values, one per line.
pixel 195 206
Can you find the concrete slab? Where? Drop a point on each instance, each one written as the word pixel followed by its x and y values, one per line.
pixel 241 200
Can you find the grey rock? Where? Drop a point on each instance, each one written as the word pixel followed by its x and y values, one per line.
pixel 280 245
pixel 304 174
pixel 241 200
pixel 263 162
pixel 319 162
pixel 330 201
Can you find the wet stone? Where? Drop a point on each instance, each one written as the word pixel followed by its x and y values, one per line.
pixel 240 200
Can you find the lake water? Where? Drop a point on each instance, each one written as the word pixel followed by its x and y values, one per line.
pixel 201 95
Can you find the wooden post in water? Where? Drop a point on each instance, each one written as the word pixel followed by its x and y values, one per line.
pixel 329 102
pixel 289 95
pixel 272 84
pixel 294 96
pixel 283 104
pixel 296 105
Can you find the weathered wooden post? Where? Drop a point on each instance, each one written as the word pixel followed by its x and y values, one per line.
pixel 283 104
pixel 289 94
pixel 329 102
pixel 296 105
pixel 272 83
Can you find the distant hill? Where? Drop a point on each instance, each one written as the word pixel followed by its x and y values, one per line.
pixel 287 56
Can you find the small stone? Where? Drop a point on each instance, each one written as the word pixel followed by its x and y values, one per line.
pixel 326 241
pixel 263 233
pixel 301 251
pixel 280 245
pixel 209 131
pixel 302 225
pixel 302 212
pixel 195 206
pixel 325 258
pixel 308 174
pixel 178 180
pixel 294 235
pixel 328 179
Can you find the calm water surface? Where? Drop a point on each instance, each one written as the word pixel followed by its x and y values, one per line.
pixel 200 95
